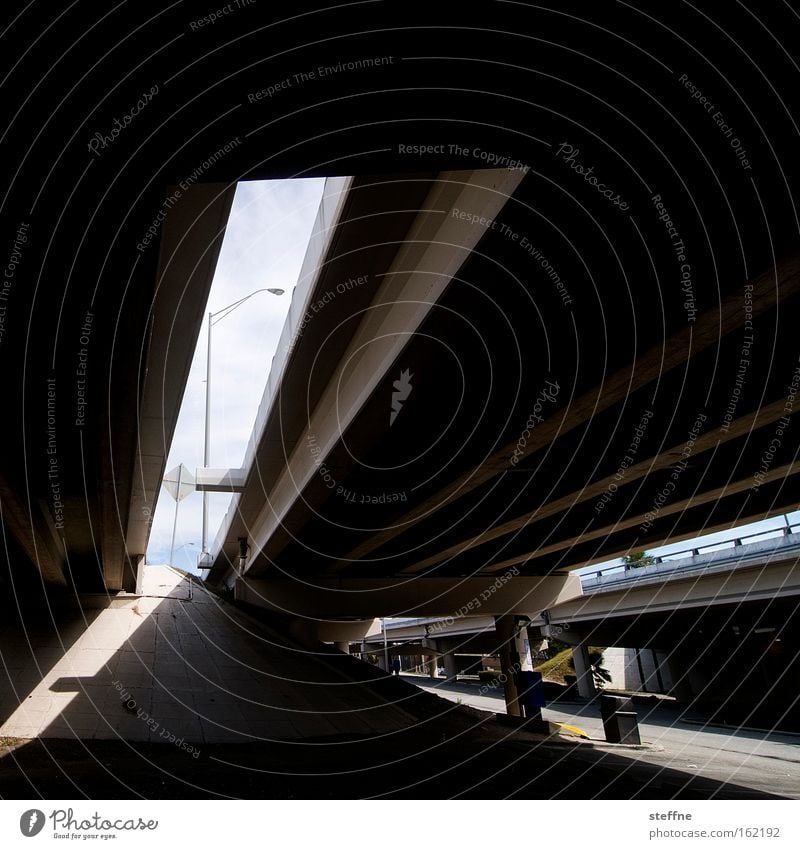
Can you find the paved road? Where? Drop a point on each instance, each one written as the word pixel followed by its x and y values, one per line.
pixel 764 761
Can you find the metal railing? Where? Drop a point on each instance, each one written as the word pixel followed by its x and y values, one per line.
pixel 685 554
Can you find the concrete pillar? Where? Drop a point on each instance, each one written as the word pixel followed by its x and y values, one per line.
pixel 699 680
pixel 509 661
pixel 523 649
pixel 663 673
pixel 681 687
pixel 583 671
pixel 450 669
pixel 140 564
pixel 342 645
pixel 433 660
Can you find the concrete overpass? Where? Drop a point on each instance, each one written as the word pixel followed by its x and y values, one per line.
pixel 399 469
pixel 522 374
pixel 416 441
pixel 98 396
pixel 738 595
pixel 749 571
pixel 359 502
pixel 432 643
pixel 723 625
pixel 540 275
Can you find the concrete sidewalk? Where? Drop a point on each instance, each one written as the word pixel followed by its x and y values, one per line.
pixel 175 664
pixel 764 761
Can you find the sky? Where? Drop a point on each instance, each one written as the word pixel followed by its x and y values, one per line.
pixel 264 246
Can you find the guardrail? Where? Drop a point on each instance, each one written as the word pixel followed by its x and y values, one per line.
pixel 685 554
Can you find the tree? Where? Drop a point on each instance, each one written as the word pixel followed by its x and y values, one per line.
pixel 637 559
pixel 600 674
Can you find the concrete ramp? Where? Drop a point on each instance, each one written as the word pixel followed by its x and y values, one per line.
pixel 175 665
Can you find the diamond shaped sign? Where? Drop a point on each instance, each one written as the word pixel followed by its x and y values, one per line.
pixel 179 482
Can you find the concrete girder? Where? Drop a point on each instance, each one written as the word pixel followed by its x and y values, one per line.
pixel 338 251
pixel 220 480
pixel 364 597
pixel 672 508
pixel 775 285
pixel 701 589
pixel 190 244
pixel 433 252
pixel 761 417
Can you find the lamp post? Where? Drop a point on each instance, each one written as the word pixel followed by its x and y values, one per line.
pixel 215 318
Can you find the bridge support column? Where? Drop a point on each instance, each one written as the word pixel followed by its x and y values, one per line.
pixel 681 688
pixel 509 662
pixel 433 660
pixel 450 668
pixel 583 671
pixel 523 649
pixel 433 666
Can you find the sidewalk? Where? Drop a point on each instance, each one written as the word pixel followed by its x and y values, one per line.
pixel 765 761
pixel 175 664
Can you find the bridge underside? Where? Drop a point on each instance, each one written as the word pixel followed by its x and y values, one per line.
pixel 535 435
pixel 549 318
pixel 662 306
pixel 96 370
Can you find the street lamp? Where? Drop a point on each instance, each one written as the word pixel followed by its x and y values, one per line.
pixel 215 318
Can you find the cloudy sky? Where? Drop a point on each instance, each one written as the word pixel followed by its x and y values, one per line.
pixel 264 246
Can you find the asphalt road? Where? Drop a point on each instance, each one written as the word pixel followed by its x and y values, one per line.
pixel 765 761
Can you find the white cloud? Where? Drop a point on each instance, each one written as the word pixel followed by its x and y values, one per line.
pixel 264 246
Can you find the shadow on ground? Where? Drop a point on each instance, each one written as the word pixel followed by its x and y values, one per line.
pixel 471 766
pixel 266 718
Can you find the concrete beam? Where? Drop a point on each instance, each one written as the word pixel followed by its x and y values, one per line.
pixel 190 244
pixel 449 627
pixel 432 254
pixel 724 586
pixel 333 598
pixel 770 288
pixel 34 534
pixel 220 480
pixel 360 223
pixel 666 458
pixel 310 631
pixel 669 509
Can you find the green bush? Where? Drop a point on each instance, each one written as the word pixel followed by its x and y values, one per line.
pixel 638 559
pixel 485 676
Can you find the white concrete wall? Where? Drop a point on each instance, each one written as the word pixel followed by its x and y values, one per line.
pixel 626 674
